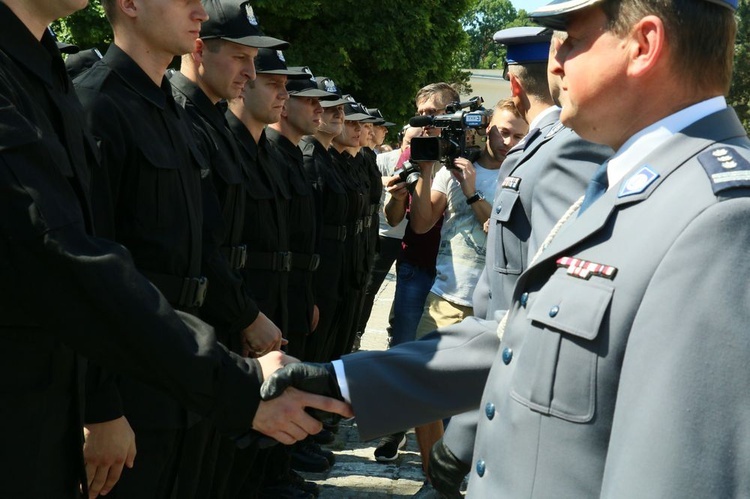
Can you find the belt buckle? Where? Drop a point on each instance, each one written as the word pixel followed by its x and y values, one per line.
pixel 196 291
pixel 285 261
pixel 241 255
pixel 314 262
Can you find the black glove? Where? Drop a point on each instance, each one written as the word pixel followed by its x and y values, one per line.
pixel 446 471
pixel 308 377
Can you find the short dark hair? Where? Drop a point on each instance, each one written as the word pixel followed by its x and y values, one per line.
pixel 109 7
pixel 446 92
pixel 533 77
pixel 701 35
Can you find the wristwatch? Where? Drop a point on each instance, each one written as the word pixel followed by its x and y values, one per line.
pixel 475 197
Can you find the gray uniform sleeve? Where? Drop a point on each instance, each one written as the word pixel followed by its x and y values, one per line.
pixel 441 375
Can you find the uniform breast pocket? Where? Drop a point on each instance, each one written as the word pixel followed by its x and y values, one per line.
pixel 159 196
pixel 508 247
pixel 556 370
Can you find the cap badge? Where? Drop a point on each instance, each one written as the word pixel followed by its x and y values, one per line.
pixel 584 270
pixel 250 15
pixel 331 86
pixel 280 55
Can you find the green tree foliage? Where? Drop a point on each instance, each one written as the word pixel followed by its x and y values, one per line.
pixel 739 95
pixel 87 28
pixel 481 22
pixel 380 52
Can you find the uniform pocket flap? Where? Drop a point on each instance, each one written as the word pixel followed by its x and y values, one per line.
pixel 572 305
pixel 504 205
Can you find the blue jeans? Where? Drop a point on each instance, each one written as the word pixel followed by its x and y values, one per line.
pixel 412 286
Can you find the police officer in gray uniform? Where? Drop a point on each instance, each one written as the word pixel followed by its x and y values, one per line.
pixel 613 381
pixel 539 180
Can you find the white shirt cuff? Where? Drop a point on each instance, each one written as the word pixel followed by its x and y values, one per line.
pixel 338 367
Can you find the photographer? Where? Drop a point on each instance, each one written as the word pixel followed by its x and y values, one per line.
pixel 458 194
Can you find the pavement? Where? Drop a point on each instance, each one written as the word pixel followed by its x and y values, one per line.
pixel 356 474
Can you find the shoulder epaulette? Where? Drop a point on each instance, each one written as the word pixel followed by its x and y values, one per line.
pixel 726 168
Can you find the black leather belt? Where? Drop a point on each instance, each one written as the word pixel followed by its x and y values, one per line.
pixel 181 292
pixel 236 255
pixel 336 232
pixel 305 261
pixel 280 261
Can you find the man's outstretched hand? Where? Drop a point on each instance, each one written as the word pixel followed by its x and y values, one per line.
pixel 285 419
pixel 317 379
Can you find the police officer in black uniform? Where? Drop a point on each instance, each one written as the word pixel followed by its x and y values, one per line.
pixel 66 291
pixel 333 205
pixel 344 150
pixel 219 66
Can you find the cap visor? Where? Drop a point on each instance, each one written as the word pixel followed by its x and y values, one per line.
pixel 332 103
pixel 261 42
pixel 555 14
pixel 358 117
pixel 284 72
pixel 313 92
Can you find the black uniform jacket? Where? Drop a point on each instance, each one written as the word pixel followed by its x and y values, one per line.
pixel 66 292
pixel 302 233
pixel 228 306
pixel 154 175
pixel 265 230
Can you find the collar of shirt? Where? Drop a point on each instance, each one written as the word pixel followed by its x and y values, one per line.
pixel 39 57
pixel 650 138
pixel 283 144
pixel 137 79
pixel 198 98
pixel 541 116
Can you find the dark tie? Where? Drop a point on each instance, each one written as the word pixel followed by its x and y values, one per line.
pixel 597 186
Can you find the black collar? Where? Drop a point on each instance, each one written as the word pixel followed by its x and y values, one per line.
pixel 198 98
pixel 137 79
pixel 42 59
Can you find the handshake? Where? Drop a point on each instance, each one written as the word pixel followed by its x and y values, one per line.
pixel 297 399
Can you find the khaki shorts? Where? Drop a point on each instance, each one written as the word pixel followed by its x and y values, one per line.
pixel 439 312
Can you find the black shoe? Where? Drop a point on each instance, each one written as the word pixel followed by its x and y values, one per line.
pixel 333 428
pixel 306 459
pixel 284 491
pixel 388 447
pixel 325 437
pixel 297 481
pixel 314 447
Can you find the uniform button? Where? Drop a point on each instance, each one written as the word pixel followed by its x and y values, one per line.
pixel 553 311
pixel 498 208
pixel 507 355
pixel 481 468
pixel 489 410
pixel 524 299
pixel 490 295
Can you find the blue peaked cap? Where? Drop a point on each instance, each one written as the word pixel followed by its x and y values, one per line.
pixel 553 15
pixel 526 44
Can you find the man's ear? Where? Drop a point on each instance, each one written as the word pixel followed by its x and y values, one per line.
pixel 646 44
pixel 128 7
pixel 198 49
pixel 515 86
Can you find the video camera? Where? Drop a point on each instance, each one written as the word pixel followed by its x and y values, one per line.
pixel 459 129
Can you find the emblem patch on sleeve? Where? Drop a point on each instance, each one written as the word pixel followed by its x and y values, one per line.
pixel 726 168
pixel 638 182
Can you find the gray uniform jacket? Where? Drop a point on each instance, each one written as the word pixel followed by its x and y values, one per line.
pixel 629 379
pixel 539 181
